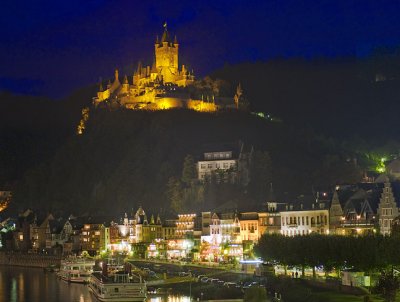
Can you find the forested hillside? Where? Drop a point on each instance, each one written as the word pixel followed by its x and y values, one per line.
pixel 126 158
pixel 336 118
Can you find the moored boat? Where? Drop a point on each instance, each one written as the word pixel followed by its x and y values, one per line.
pixel 119 286
pixel 76 269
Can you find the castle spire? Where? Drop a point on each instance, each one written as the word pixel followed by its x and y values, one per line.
pixel 125 79
pixel 175 40
pixel 157 41
pixel 139 68
pixel 116 75
pixel 165 36
pixel 101 89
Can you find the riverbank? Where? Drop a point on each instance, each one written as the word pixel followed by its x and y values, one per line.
pixel 29 260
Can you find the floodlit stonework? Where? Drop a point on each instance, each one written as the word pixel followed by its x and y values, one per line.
pixel 157 87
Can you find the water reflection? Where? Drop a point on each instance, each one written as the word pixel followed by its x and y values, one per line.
pixel 168 298
pixel 21 284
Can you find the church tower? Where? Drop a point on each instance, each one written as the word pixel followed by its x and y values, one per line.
pixel 166 52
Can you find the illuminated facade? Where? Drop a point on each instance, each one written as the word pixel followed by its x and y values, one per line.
pixel 223 241
pixel 156 87
pixel 305 219
pixel 249 226
pixel 226 163
pixel 387 210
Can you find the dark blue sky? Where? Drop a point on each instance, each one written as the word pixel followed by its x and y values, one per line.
pixel 53 47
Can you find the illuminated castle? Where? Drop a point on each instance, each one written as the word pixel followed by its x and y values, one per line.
pixel 160 86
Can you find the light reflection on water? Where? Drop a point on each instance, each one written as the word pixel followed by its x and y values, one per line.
pixel 21 284
pixel 169 298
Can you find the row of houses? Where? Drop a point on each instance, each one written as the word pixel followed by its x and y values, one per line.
pixel 224 234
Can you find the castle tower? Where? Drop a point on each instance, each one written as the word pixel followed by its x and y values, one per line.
pixel 125 85
pixel 166 53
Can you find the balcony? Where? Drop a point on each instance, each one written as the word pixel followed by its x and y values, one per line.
pixel 358 222
pixel 292 225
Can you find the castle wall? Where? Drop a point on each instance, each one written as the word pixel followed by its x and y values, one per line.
pixel 199 105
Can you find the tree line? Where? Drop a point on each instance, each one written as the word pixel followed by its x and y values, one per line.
pixel 366 253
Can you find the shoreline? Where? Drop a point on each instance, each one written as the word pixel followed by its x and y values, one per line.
pixel 29 260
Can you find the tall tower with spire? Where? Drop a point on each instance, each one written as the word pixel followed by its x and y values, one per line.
pixel 166 52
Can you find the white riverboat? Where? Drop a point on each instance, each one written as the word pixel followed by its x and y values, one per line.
pixel 76 269
pixel 120 286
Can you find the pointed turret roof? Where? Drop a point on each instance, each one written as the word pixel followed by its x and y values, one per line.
pixel 139 68
pixel 125 79
pixel 165 37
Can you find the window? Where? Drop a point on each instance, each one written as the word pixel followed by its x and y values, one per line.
pixel 209 166
pixel 203 166
pixel 271 220
pixel 302 220
pixel 225 165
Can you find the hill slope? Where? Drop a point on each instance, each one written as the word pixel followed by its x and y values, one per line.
pixel 126 158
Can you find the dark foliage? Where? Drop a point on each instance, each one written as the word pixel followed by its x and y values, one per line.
pixel 126 158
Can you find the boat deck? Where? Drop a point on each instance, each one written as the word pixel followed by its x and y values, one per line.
pixel 119 277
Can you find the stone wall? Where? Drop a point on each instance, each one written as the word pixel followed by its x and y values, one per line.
pixel 28 260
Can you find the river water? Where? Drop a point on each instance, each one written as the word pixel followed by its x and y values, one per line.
pixel 19 284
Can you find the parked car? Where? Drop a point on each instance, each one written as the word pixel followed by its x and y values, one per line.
pixel 230 284
pixel 204 279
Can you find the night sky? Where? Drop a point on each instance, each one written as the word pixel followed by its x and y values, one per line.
pixel 53 47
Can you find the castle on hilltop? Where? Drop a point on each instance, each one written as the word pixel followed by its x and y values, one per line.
pixel 163 85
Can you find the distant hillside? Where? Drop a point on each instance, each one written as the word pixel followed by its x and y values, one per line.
pixel 126 158
pixel 343 98
pixel 339 117
pixel 32 128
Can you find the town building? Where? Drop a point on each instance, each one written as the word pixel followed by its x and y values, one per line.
pixel 228 162
pixel 307 215
pixel 388 209
pixel 359 212
pixel 249 226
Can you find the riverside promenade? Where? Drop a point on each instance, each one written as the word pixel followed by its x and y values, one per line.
pixel 29 260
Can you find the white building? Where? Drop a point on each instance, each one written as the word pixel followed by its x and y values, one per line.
pixel 305 218
pixel 218 163
pixel 225 162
